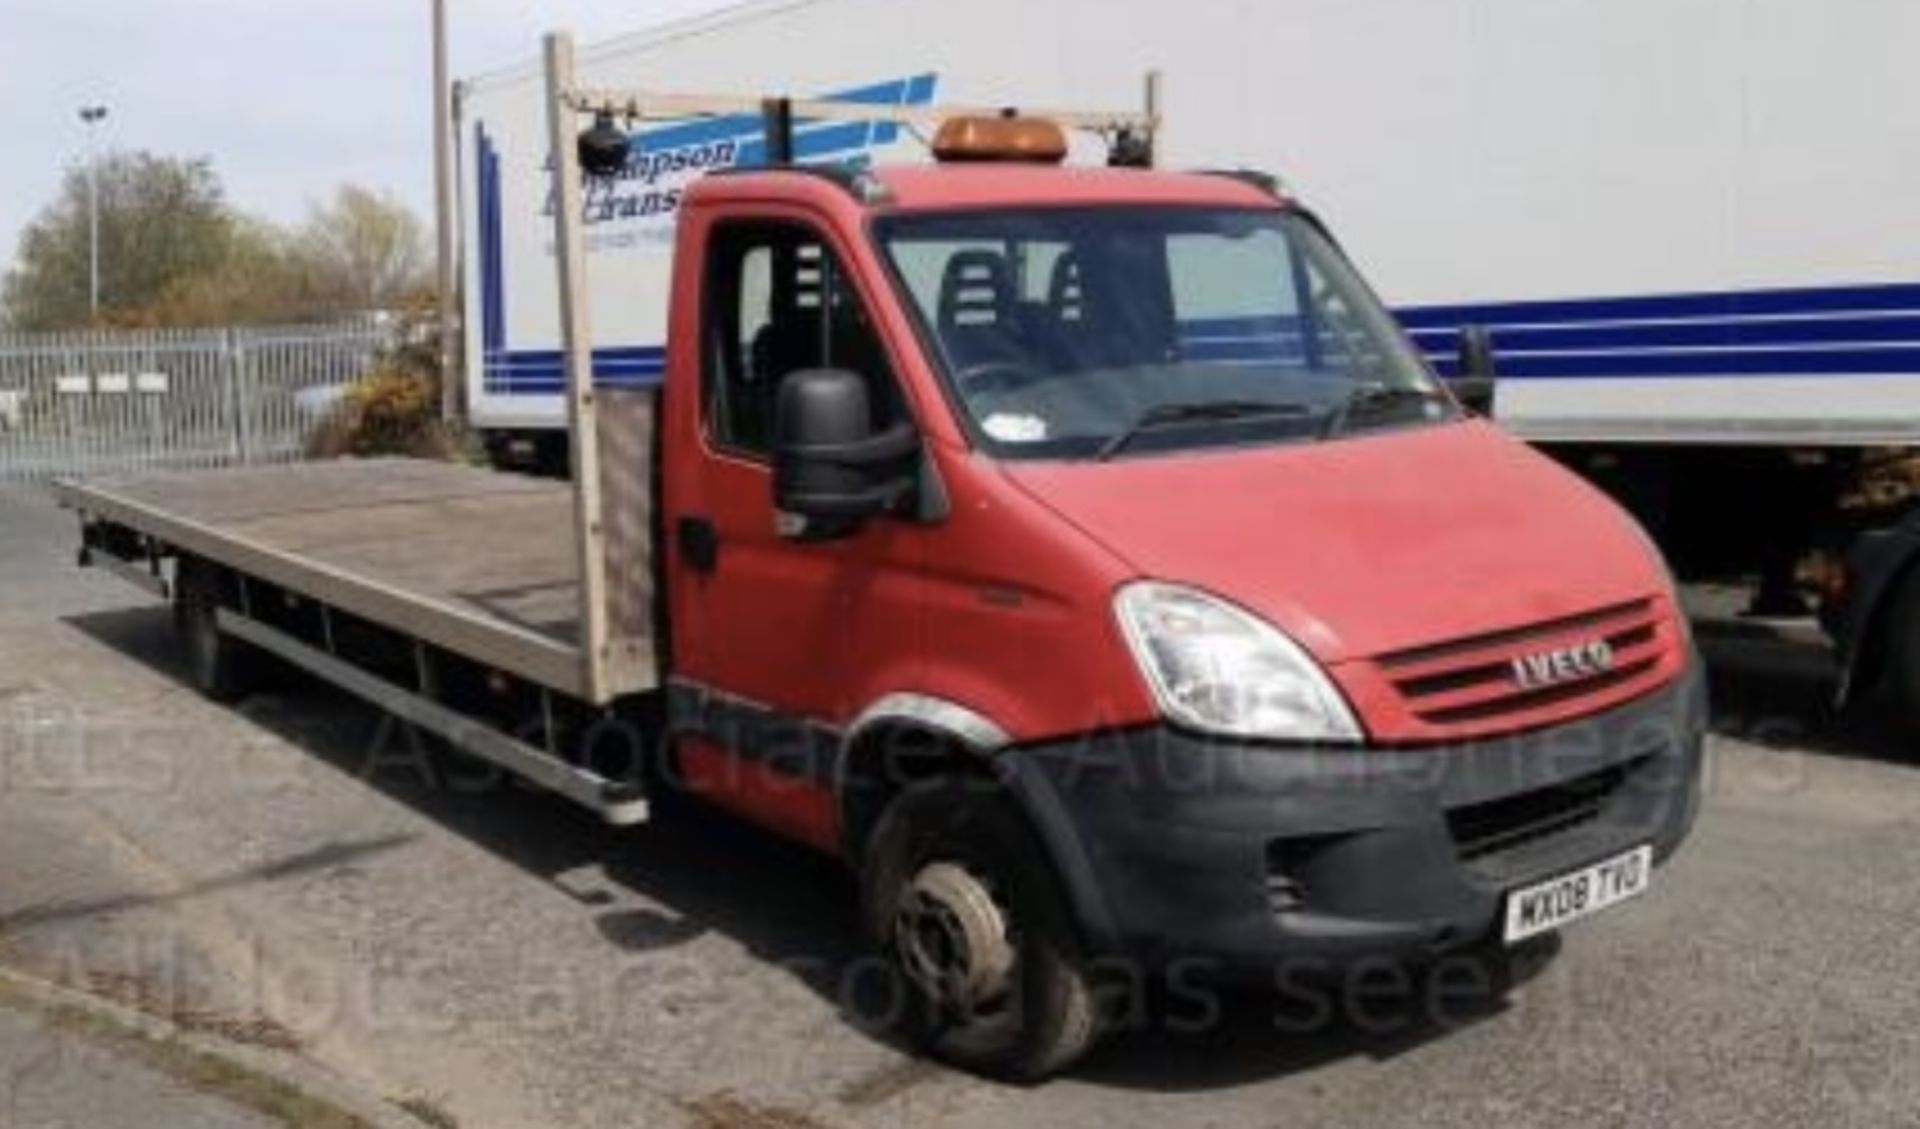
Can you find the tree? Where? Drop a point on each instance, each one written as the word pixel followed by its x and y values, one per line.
pixel 262 281
pixel 364 250
pixel 162 219
pixel 173 253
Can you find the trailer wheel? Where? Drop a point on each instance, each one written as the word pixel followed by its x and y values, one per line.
pixel 959 893
pixel 215 661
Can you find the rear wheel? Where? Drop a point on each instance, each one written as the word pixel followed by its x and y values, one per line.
pixel 963 898
pixel 1903 653
pixel 215 662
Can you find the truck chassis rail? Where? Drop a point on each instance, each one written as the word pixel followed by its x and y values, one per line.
pixel 619 803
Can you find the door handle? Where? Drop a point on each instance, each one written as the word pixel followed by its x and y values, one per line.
pixel 699 543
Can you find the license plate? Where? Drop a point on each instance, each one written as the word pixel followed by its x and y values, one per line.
pixel 1549 905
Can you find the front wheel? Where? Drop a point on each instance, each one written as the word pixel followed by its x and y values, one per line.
pixel 963 898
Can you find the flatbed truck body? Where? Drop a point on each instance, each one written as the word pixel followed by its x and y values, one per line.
pixel 462 558
pixel 1083 555
pixel 446 565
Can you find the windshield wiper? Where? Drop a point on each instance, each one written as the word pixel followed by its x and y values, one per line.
pixel 1196 411
pixel 1371 397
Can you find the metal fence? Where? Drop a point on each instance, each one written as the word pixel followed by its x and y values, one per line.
pixel 119 400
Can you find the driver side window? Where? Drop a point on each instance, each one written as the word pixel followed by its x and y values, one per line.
pixel 779 301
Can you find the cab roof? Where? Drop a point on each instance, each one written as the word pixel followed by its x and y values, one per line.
pixel 937 187
pixel 931 187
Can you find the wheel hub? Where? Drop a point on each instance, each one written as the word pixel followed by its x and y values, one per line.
pixel 953 938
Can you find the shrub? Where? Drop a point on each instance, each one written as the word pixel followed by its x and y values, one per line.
pixel 386 412
pixel 394 409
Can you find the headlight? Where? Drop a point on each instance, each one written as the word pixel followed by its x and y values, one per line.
pixel 1217 668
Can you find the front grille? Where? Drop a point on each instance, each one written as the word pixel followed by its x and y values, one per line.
pixel 1471 682
pixel 1496 826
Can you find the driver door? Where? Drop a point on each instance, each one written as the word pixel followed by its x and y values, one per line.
pixel 761 621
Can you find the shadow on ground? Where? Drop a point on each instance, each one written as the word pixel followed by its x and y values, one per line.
pixel 797 910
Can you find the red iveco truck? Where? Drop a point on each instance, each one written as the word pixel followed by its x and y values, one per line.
pixel 1082 554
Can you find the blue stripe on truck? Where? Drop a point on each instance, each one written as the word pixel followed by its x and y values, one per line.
pixel 1753 363
pixel 1704 305
pixel 542 372
pixel 1841 331
pixel 493 301
pixel 1773 332
pixel 1804 331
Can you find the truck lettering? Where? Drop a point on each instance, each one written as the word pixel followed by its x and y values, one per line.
pixel 635 193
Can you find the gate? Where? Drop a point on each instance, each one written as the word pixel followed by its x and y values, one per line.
pixel 75 404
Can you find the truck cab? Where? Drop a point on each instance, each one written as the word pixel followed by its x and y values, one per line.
pixel 1087 557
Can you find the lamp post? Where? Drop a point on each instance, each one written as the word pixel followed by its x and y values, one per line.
pixel 450 398
pixel 93 116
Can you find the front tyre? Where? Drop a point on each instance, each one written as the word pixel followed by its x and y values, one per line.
pixel 963 898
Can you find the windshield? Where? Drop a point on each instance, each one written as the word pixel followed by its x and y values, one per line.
pixel 1080 333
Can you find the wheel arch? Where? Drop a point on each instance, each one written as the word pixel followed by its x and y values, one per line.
pixel 898 739
pixel 903 738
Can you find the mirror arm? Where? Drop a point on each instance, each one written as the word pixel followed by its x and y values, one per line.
pixel 861 503
pixel 1474 384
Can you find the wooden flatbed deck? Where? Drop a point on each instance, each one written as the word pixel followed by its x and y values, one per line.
pixel 478 562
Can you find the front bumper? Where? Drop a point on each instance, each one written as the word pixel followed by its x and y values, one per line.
pixel 1177 847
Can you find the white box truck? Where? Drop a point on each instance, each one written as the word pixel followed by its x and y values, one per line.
pixel 1687 227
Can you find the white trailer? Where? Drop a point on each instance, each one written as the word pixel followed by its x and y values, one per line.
pixel 1683 220
pixel 1687 224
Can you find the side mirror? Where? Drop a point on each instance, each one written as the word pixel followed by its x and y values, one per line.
pixel 831 469
pixel 1474 385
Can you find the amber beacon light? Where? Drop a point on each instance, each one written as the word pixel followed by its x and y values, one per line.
pixel 1007 138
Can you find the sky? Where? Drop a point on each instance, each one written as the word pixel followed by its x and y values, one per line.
pixel 288 97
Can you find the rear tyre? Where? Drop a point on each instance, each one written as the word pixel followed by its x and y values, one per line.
pixel 1903 654
pixel 216 663
pixel 963 899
